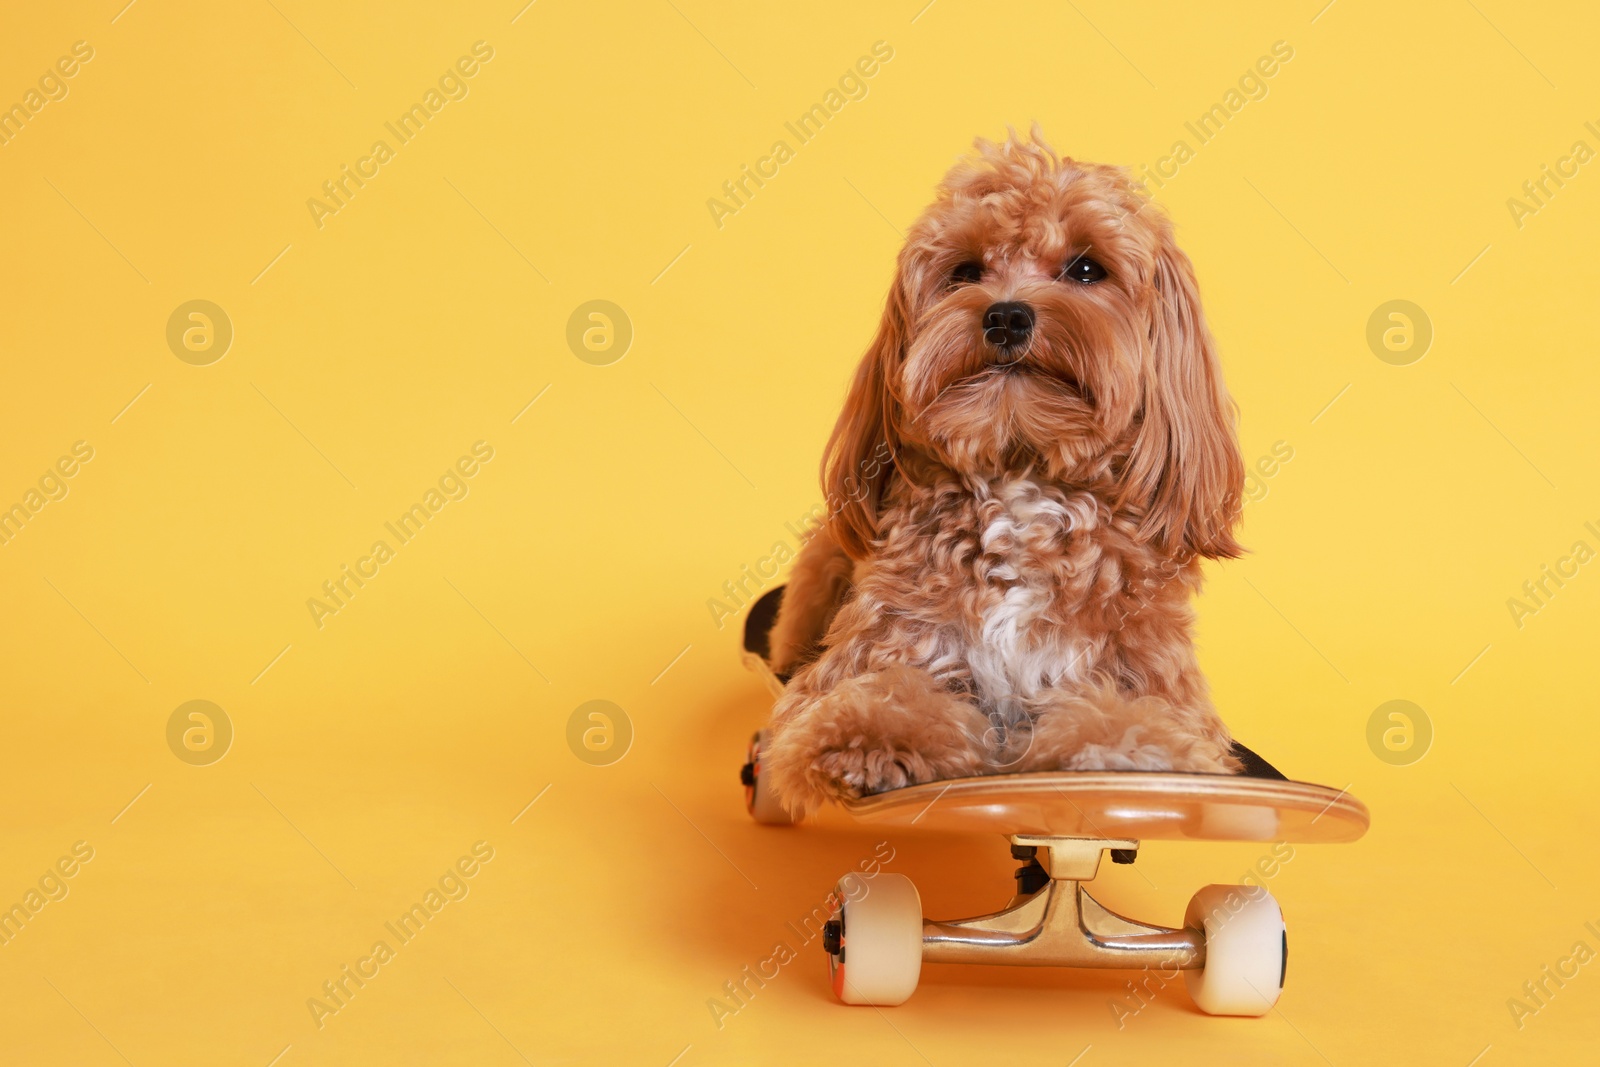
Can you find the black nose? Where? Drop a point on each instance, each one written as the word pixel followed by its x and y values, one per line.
pixel 1007 325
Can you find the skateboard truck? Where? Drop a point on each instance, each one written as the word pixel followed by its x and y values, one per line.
pixel 1058 923
pixel 1232 947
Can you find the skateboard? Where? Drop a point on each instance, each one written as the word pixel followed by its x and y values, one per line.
pixel 1232 947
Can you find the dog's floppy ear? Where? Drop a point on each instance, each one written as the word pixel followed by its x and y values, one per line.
pixel 1184 471
pixel 860 456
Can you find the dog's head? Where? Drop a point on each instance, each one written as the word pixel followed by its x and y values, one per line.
pixel 1042 317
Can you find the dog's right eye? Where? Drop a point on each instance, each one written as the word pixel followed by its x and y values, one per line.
pixel 967 274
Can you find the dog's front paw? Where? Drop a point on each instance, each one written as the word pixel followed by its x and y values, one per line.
pixel 1108 732
pixel 880 765
pixel 881 731
pixel 1128 753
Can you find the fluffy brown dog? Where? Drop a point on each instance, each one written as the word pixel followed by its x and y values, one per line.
pixel 1012 590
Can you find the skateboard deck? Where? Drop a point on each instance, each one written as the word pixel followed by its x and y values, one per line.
pixel 1123 804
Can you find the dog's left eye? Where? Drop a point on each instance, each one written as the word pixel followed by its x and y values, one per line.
pixel 1084 270
pixel 968 273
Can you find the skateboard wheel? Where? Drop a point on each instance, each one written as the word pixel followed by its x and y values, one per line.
pixel 1247 950
pixel 879 952
pixel 758 800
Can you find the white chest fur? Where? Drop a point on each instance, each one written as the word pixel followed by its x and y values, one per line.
pixel 1020 646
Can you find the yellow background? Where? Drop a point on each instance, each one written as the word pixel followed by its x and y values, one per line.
pixel 370 753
